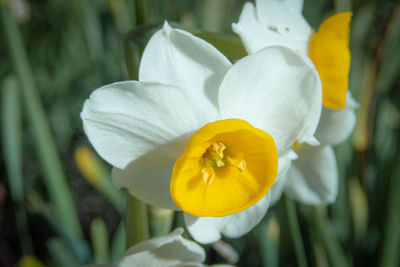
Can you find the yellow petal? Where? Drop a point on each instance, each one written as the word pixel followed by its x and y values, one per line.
pixel 250 167
pixel 329 51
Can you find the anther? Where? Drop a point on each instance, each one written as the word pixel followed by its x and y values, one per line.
pixel 219 148
pixel 240 164
pixel 208 174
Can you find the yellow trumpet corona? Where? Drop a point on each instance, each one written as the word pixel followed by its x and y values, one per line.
pixel 227 167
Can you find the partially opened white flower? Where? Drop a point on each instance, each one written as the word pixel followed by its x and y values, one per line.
pixel 167 250
pixel 201 135
pixel 313 177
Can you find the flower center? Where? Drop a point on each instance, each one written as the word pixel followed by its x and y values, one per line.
pixel 214 158
pixel 227 167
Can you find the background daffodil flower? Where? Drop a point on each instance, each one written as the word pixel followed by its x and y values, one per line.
pixel 185 84
pixel 312 179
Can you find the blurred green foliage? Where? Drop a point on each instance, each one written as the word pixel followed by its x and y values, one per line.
pixel 69 48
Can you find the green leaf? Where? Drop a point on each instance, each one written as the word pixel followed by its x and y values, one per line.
pixel 55 179
pixel 230 45
pixel 12 139
pixel 12 147
pixel 60 253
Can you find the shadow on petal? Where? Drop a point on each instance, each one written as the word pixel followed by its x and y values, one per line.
pixel 148 177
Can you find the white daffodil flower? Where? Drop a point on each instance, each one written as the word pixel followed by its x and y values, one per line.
pixel 201 135
pixel 312 179
pixel 169 250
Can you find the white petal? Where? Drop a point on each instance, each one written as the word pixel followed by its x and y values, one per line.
pixel 255 35
pixel 336 125
pixel 283 167
pixel 177 57
pixel 295 5
pixel 313 178
pixel 165 250
pixel 148 177
pixel 209 229
pixel 277 91
pixel 125 120
pixel 284 17
pixel 284 162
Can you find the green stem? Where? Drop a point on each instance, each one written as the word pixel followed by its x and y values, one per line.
pixel 267 234
pixel 295 232
pixel 340 209
pixel 120 11
pixel 136 221
pixel 333 248
pixel 160 220
pixel 136 216
pixel 118 242
pixel 132 59
pixel 99 235
pixel 342 5
pixel 53 173
pixel 141 12
pixel 391 235
pixel 60 253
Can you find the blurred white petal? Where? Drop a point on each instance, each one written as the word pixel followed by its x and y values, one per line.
pixel 256 36
pixel 313 178
pixel 273 22
pixel 284 17
pixel 336 125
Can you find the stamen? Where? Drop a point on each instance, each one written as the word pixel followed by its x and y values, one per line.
pixel 216 153
pixel 240 164
pixel 219 148
pixel 208 174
